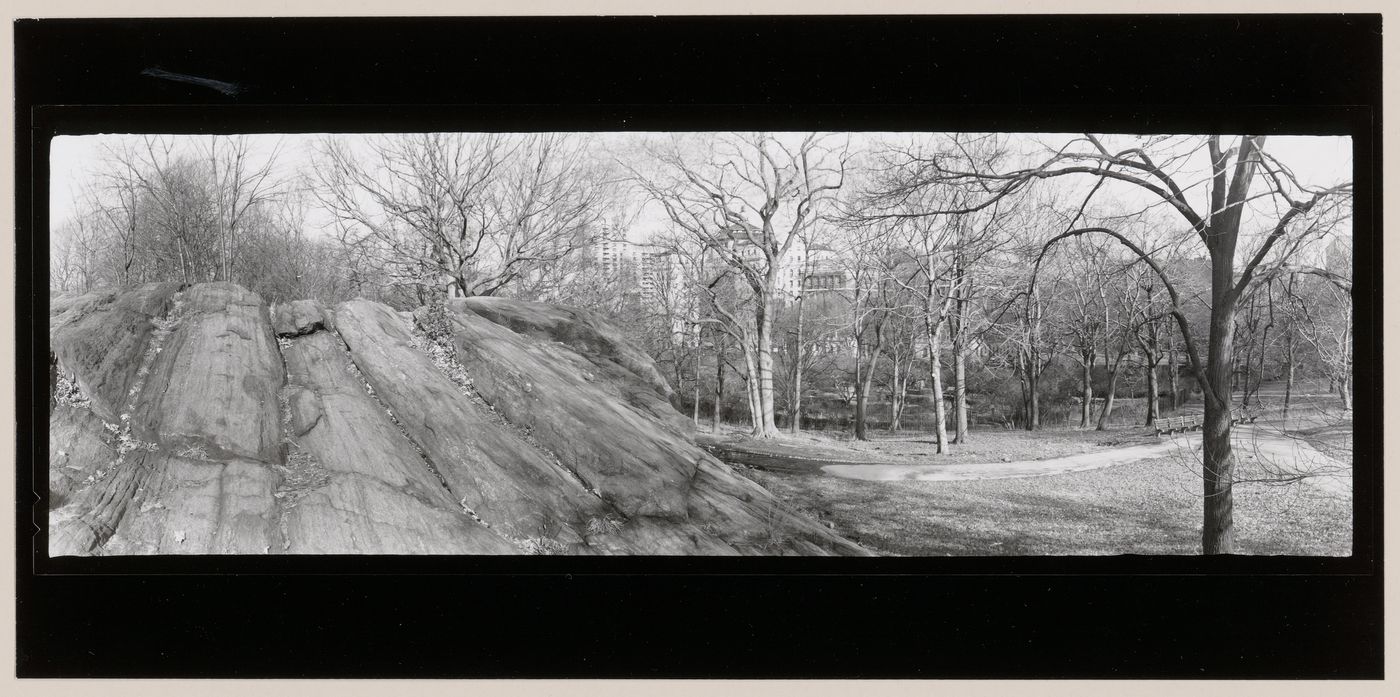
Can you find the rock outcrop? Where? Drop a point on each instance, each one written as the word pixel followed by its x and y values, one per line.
pixel 100 338
pixel 198 420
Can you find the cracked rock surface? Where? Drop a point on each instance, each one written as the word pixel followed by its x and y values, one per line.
pixel 199 420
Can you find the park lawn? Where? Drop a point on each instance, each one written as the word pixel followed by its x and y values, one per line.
pixel 984 445
pixel 1148 507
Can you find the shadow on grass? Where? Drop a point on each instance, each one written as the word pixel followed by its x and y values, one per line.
pixel 1143 508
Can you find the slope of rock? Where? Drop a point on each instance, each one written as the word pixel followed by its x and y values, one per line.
pixel 500 477
pixel 601 417
pixel 78 449
pixel 593 339
pixel 555 393
pixel 99 339
pixel 214 384
pixel 198 420
pixel 377 495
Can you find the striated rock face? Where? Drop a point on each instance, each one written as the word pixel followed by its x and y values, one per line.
pixel 590 420
pixel 100 338
pixel 365 483
pixel 197 420
pixel 214 386
pixel 592 339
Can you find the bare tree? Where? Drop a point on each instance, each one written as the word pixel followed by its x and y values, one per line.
pixel 1327 319
pixel 1279 213
pixel 1081 317
pixel 811 329
pixel 954 248
pixel 871 297
pixel 747 198
pixel 479 211
pixel 75 252
pixel 240 184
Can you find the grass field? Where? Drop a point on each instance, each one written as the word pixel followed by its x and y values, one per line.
pixel 1145 507
pixel 989 445
pixel 1149 507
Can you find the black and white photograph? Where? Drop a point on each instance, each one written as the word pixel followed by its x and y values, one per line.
pixel 790 347
pixel 718 343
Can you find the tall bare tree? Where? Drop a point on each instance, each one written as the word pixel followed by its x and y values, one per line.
pixel 747 198
pixel 479 211
pixel 1212 200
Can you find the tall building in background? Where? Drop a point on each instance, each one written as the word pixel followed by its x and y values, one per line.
pixel 614 255
pixel 659 275
pixel 822 269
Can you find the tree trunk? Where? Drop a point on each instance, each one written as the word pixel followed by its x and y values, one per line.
pixel 795 406
pixel 1287 373
pixel 862 388
pixel 1033 382
pixel 896 399
pixel 751 387
pixel 935 365
pixel 719 388
pixel 1217 534
pixel 795 417
pixel 1172 376
pixel 184 269
pixel 1109 396
pixel 1248 365
pixel 1087 378
pixel 765 425
pixel 1263 352
pixel 959 390
pixel 695 408
pixel 902 393
pixel 1153 409
pixel 1021 377
pixel 863 380
pixel 959 327
pixel 1218 466
pixel 1344 380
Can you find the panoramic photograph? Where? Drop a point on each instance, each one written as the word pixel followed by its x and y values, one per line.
pixel 700 343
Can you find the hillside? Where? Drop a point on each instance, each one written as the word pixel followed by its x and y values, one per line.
pixel 199 420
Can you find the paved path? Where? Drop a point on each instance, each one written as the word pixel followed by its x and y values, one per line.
pixel 1284 454
pixel 1271 454
pixel 1262 450
pixel 1007 470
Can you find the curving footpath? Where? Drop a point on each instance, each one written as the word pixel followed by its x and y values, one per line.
pixel 1276 454
pixel 1007 470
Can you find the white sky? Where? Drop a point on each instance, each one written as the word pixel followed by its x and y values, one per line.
pixel 1318 160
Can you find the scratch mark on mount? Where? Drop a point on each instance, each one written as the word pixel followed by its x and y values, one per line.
pixel 229 88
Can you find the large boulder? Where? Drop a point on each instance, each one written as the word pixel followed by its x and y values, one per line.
pixel 299 317
pixel 640 462
pixel 151 502
pixel 593 338
pixel 189 506
pixel 213 385
pixel 201 421
pixel 77 449
pixel 498 475
pixel 561 397
pixel 100 338
pixel 377 495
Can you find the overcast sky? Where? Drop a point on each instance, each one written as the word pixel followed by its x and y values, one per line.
pixel 1319 160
